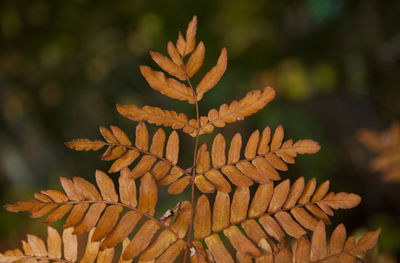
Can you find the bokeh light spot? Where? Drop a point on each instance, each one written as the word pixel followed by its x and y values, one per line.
pixel 51 93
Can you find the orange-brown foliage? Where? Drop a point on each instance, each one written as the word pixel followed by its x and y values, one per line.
pixel 386 147
pixel 257 226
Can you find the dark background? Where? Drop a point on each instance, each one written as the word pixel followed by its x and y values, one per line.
pixel 65 64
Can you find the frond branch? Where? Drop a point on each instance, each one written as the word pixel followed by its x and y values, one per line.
pixel 150 154
pixel 272 214
pixel 257 217
pixel 293 148
pixel 90 202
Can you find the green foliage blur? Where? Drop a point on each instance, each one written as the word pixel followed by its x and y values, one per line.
pixel 335 65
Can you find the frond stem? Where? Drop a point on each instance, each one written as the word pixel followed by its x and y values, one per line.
pixel 189 240
pixel 151 154
pixel 159 222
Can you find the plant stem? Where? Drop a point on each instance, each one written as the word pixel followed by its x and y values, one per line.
pixel 189 240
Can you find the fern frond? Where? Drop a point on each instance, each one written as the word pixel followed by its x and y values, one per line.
pixel 176 67
pixel 281 210
pixel 237 110
pixel 257 227
pixel 264 155
pixel 86 145
pixel 35 249
pixel 341 249
pixel 386 146
pixel 121 151
pixel 155 115
pixel 167 86
pixel 89 209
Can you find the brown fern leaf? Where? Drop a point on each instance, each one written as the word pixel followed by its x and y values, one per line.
pixel 213 76
pixel 264 155
pixel 195 62
pixel 88 208
pixel 153 158
pixel 35 249
pixel 86 145
pixel 386 145
pixel 237 110
pixel 186 47
pixel 257 227
pixel 273 213
pixel 167 86
pixel 155 115
pixel 190 42
pixel 184 71
pixel 176 67
pixel 341 249
pixel 169 66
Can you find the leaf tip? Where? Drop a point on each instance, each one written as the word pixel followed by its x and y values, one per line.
pixel 357 199
pixel 8 207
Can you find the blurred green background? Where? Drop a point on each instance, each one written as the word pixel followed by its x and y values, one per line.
pixel 65 64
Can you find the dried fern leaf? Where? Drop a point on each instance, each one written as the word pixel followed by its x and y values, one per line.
pixel 317 251
pixel 237 110
pixel 276 208
pixel 168 65
pixel 202 218
pixel 214 176
pixel 213 76
pixel 255 226
pixel 179 185
pixel 181 45
pixel 195 61
pixel 262 160
pixel 174 54
pixel 155 115
pixel 176 67
pixel 385 146
pixel 167 86
pixel 160 158
pixel 240 242
pixel 37 250
pixel 198 254
pixel 99 211
pixel 191 36
pixel 215 171
pixel 218 249
pixel 61 249
pixel 85 145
